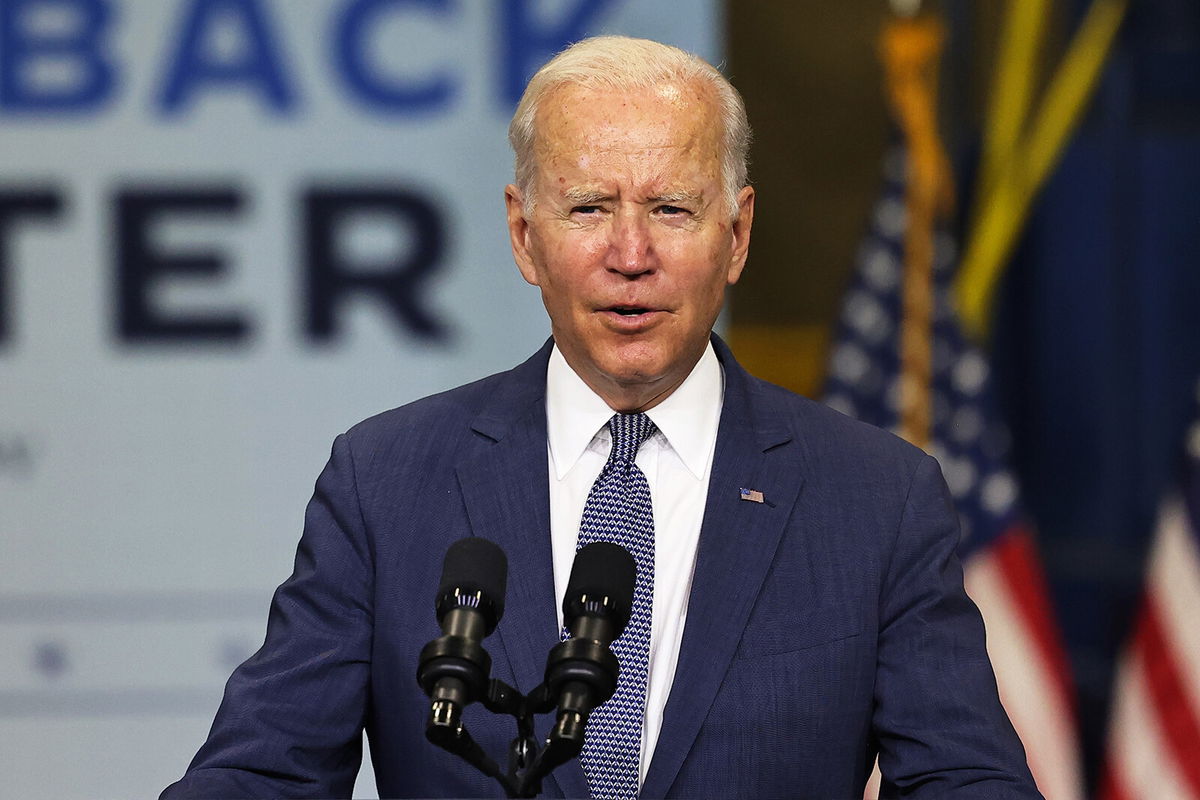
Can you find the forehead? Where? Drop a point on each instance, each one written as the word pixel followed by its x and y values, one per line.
pixel 671 120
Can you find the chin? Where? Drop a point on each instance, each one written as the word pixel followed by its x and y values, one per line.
pixel 625 373
pixel 631 372
pixel 635 360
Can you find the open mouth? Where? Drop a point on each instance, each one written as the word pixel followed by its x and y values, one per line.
pixel 629 311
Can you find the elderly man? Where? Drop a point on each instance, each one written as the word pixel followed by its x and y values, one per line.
pixel 798 607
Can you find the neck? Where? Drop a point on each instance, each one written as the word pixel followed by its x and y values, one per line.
pixel 632 400
pixel 635 395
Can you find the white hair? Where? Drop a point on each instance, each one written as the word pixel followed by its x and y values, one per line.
pixel 624 63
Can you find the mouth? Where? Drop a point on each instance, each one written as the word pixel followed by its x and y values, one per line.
pixel 630 318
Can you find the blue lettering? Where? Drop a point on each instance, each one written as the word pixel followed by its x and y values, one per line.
pixel 257 63
pixel 351 59
pixel 528 46
pixel 75 53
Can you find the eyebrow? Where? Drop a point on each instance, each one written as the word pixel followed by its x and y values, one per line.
pixel 582 196
pixel 681 197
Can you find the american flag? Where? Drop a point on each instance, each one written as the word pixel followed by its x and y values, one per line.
pixel 1154 733
pixel 1003 573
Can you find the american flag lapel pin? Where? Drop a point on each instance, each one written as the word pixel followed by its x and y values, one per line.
pixel 753 495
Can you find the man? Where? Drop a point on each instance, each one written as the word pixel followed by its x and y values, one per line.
pixel 799 606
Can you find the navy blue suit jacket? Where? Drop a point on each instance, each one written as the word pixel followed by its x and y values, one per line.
pixel 825 624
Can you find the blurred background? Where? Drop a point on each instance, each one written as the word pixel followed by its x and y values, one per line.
pixel 230 229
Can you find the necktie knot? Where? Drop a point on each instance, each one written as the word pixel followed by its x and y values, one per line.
pixel 628 432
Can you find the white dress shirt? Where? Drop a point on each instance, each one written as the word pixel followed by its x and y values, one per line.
pixel 676 460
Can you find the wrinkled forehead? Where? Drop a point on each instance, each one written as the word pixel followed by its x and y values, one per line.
pixel 575 119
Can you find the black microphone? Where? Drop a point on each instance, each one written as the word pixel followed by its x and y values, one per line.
pixel 453 669
pixel 582 671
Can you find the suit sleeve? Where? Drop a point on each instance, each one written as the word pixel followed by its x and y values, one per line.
pixel 291 721
pixel 940 727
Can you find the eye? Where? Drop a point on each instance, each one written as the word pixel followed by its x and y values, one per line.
pixel 672 211
pixel 585 210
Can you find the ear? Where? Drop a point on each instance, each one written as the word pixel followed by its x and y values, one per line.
pixel 740 239
pixel 518 233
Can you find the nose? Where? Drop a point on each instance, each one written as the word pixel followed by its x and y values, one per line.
pixel 631 249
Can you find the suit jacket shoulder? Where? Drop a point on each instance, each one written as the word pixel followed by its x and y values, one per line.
pixel 833 613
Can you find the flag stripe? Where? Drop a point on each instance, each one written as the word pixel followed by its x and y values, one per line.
pixel 874 783
pixel 1111 786
pixel 1040 713
pixel 1141 766
pixel 1175 581
pixel 1154 738
pixel 1168 696
pixel 1027 585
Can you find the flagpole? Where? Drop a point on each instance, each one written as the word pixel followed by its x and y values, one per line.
pixel 911 50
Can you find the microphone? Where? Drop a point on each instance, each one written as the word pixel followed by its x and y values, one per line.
pixel 582 671
pixel 453 669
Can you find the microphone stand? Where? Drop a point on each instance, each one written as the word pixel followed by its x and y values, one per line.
pixel 527 763
pixel 580 675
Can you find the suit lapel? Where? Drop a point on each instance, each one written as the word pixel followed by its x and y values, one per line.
pixel 505 489
pixel 738 539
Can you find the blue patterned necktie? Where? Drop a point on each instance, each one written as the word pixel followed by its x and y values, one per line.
pixel 618 510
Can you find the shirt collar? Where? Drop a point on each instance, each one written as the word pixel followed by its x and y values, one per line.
pixel 687 418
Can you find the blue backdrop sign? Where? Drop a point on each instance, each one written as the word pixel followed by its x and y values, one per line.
pixel 229 229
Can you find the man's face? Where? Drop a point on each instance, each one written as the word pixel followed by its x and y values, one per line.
pixel 630 238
